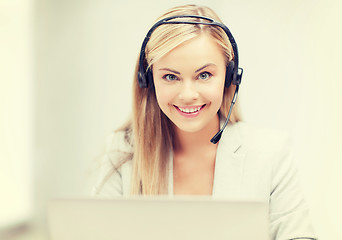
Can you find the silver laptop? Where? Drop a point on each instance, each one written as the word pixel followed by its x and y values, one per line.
pixel 161 218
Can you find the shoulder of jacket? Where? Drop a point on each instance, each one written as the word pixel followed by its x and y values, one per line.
pixel 119 141
pixel 263 137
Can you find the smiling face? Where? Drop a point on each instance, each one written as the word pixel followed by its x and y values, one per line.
pixel 189 83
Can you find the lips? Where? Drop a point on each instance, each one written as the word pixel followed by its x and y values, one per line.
pixel 189 111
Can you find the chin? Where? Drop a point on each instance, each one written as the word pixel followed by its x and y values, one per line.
pixel 190 128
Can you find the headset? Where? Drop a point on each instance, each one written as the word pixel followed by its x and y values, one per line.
pixel 233 71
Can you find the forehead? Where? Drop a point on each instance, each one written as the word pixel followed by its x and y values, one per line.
pixel 202 49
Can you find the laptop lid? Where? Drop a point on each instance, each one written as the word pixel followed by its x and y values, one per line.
pixel 157 218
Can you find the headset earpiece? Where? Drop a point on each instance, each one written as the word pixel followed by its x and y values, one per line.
pixel 145 79
pixel 238 76
pixel 142 79
pixel 149 78
pixel 229 74
pixel 144 75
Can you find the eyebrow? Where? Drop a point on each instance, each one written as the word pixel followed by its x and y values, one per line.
pixel 207 65
pixel 176 72
pixel 168 69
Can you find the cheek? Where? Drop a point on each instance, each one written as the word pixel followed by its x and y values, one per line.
pixel 216 100
pixel 164 96
pixel 215 95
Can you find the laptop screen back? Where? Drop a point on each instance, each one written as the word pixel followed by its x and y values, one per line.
pixel 157 218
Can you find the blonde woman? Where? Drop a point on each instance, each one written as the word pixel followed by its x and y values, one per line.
pixel 185 86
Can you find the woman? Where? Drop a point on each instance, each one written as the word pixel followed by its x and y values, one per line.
pixel 182 93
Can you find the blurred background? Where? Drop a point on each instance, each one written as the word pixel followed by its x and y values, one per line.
pixel 66 69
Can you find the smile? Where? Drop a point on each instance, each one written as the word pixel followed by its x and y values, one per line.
pixel 190 111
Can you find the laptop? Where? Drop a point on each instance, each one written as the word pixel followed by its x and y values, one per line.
pixel 157 218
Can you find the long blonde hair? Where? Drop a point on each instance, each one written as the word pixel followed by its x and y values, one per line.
pixel 152 131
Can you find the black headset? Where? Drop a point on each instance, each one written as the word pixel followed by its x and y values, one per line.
pixel 233 72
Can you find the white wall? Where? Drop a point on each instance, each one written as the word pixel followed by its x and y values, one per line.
pixel 16 111
pixel 85 53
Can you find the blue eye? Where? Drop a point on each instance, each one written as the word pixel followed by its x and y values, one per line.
pixel 204 75
pixel 170 77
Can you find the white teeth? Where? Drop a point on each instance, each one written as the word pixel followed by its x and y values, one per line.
pixel 189 110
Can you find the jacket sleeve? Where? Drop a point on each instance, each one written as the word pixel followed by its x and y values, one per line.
pixel 289 213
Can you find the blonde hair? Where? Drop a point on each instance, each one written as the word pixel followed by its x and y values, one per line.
pixel 152 130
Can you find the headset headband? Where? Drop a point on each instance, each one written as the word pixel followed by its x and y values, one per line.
pixel 144 74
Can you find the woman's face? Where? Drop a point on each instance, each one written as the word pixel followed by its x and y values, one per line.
pixel 189 83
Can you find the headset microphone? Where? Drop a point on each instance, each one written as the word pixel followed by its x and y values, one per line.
pixel 218 135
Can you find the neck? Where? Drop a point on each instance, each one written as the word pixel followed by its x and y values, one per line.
pixel 196 141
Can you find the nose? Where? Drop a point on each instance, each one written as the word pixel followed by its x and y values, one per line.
pixel 188 91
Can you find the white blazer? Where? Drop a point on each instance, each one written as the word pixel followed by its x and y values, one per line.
pixel 250 164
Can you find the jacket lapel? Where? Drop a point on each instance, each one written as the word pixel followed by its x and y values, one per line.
pixel 229 164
